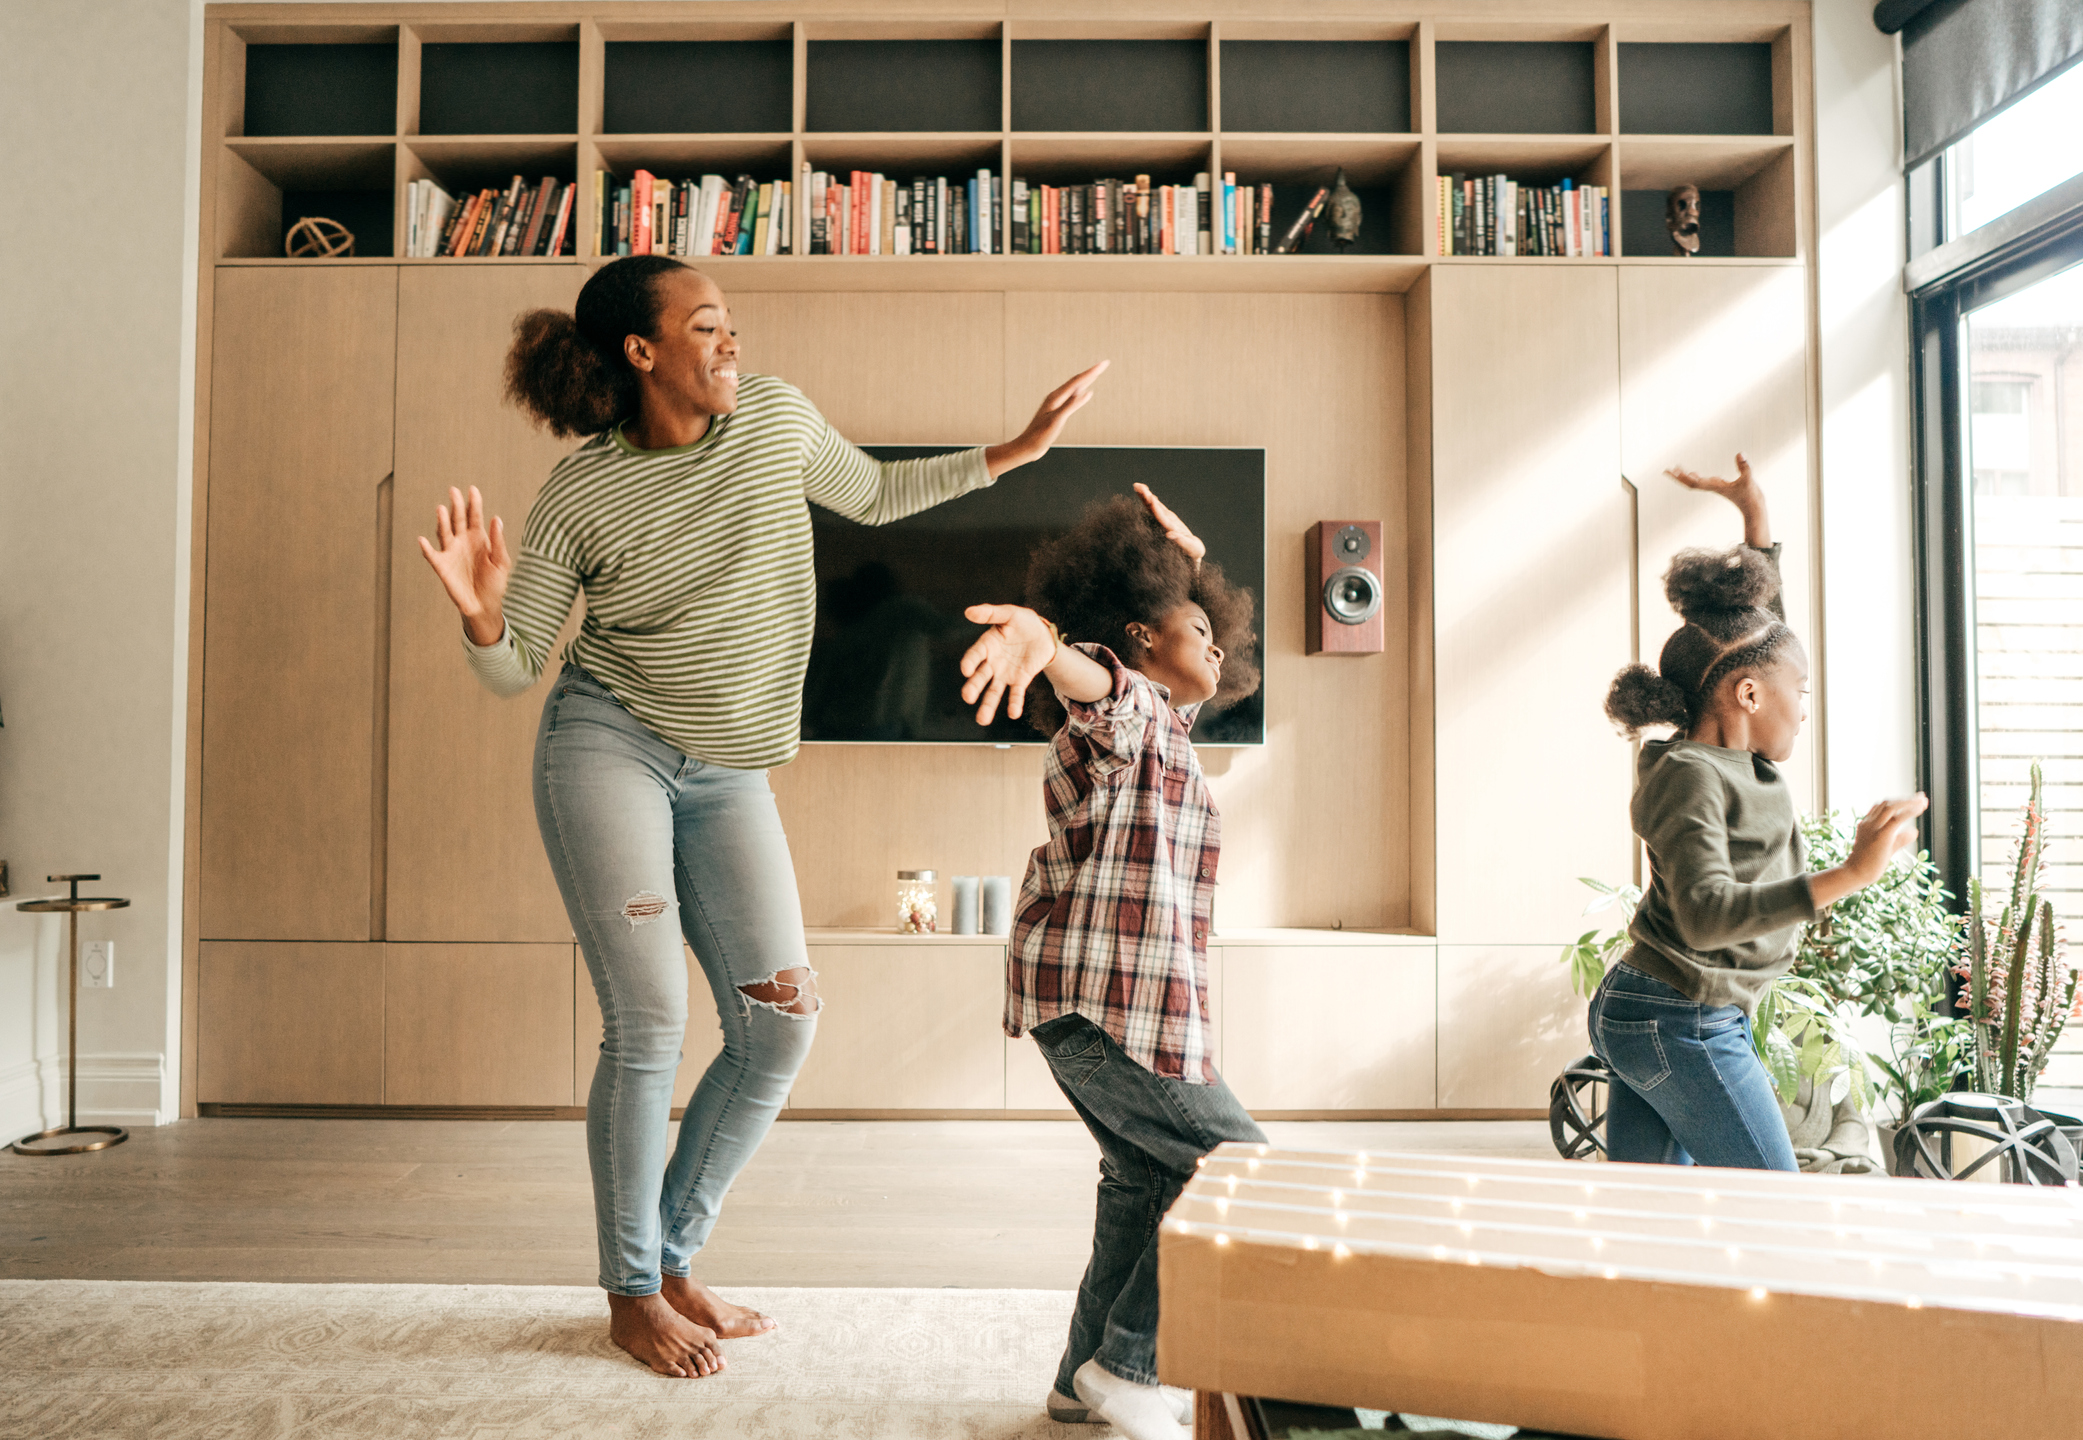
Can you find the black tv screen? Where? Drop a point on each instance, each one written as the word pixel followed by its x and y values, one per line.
pixel 885 664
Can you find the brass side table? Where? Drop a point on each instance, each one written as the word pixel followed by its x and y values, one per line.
pixel 109 1134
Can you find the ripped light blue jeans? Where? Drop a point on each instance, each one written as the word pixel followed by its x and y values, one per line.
pixel 649 845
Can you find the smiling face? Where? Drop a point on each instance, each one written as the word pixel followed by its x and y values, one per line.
pixel 690 365
pixel 1180 654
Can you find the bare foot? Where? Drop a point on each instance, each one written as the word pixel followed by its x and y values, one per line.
pixel 660 1336
pixel 705 1307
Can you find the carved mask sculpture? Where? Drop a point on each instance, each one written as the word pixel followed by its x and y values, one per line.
pixel 1682 219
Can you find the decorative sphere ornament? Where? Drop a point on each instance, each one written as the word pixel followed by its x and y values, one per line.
pixel 1969 1136
pixel 1577 1109
pixel 1344 210
pixel 316 238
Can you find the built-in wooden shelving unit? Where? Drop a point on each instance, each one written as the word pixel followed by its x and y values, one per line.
pixel 325 113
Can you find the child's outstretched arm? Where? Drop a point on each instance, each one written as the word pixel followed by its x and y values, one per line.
pixel 1743 492
pixel 1175 529
pixel 1019 646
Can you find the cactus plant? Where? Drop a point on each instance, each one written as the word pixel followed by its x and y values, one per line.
pixel 2021 989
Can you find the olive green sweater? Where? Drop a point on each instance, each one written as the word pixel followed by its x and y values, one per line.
pixel 1728 887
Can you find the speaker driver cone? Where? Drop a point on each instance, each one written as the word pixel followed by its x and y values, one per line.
pixel 1352 595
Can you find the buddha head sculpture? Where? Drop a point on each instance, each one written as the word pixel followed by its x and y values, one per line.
pixel 1682 219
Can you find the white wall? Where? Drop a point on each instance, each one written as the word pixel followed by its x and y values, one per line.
pixel 94 343
pixel 96 338
pixel 1868 692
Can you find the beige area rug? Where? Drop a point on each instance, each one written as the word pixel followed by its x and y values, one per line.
pixel 495 1362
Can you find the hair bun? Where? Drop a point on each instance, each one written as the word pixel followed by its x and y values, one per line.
pixel 1702 584
pixel 1641 698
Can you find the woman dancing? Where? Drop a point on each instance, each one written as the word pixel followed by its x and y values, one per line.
pixel 683 519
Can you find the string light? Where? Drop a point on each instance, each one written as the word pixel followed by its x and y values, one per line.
pixel 1308 1242
pixel 1579 1214
pixel 1252 1166
pixel 1597 1243
pixel 1222 1205
pixel 1337 1197
pixel 1262 1150
pixel 1233 1184
pixel 1455 1206
pixel 1757 1292
pixel 1734 1253
pixel 1341 1219
pixel 1222 1239
pixel 1466 1228
pixel 1439 1252
pixel 1340 1253
pixel 1915 1303
pixel 1611 1273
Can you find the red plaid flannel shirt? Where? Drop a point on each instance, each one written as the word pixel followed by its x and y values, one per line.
pixel 1115 910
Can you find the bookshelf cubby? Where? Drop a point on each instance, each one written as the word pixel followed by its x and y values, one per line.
pixel 1110 85
pixel 347 89
pixel 911 85
pixel 498 88
pixel 358 100
pixel 1316 86
pixel 698 87
pixel 1696 89
pixel 1519 87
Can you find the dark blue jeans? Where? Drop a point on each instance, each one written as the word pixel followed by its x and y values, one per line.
pixel 1687 1086
pixel 1151 1131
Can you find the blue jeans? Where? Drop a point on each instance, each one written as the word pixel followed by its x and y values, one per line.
pixel 649 845
pixel 1151 1131
pixel 1687 1086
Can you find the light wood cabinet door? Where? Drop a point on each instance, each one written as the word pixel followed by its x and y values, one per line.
pixel 477 1024
pixel 1712 362
pixel 1509 1023
pixel 1329 1027
pixel 907 1027
pixel 704 1040
pixel 1532 561
pixel 289 1024
pixel 300 446
pixel 464 861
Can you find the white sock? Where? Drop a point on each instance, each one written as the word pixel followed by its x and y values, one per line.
pixel 1139 1412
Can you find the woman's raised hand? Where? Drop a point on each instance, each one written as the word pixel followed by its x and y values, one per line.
pixel 1174 528
pixel 1005 659
pixel 1041 432
pixel 472 562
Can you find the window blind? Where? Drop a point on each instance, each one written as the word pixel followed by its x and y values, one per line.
pixel 1964 60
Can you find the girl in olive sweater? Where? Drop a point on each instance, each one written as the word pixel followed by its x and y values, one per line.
pixel 1728 889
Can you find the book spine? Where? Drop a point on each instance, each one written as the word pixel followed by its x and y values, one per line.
pixel 539 215
pixel 998 245
pixel 600 212
pixel 1298 233
pixel 1203 215
pixel 640 220
pixel 412 218
pixel 1019 240
pixel 516 228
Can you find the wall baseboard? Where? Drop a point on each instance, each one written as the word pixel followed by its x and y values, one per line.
pixel 115 1089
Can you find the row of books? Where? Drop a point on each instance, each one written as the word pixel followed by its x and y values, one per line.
pixel 1494 215
pixel 864 212
pixel 522 219
pixel 648 215
pixel 1135 217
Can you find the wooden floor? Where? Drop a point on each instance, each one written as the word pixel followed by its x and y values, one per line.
pixel 871 1203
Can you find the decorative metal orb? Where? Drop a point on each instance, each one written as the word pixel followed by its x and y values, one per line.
pixel 316 238
pixel 1969 1136
pixel 1577 1109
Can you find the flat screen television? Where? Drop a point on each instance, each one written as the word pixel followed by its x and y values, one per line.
pixel 885 664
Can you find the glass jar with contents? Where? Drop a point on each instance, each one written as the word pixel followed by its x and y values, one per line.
pixel 918 907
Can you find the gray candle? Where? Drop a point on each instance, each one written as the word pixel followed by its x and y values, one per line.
pixel 998 904
pixel 965 904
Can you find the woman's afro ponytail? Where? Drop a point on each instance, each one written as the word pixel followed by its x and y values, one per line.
pixel 1723 597
pixel 1641 698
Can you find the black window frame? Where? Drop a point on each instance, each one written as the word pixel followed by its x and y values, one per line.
pixel 1946 283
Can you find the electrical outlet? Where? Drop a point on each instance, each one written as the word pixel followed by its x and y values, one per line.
pixel 98 965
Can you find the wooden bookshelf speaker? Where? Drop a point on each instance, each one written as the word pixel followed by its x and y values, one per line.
pixel 1345 587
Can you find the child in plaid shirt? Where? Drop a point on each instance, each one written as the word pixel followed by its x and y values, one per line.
pixel 1108 963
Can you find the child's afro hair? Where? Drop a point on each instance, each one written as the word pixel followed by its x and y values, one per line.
pixel 1722 596
pixel 1116 567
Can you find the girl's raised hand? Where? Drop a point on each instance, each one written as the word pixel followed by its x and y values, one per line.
pixel 1042 431
pixel 472 562
pixel 1743 492
pixel 1174 528
pixel 1005 659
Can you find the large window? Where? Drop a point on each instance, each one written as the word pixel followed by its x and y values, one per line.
pixel 2015 155
pixel 2024 454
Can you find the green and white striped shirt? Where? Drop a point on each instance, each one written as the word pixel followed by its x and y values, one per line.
pixel 696 562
